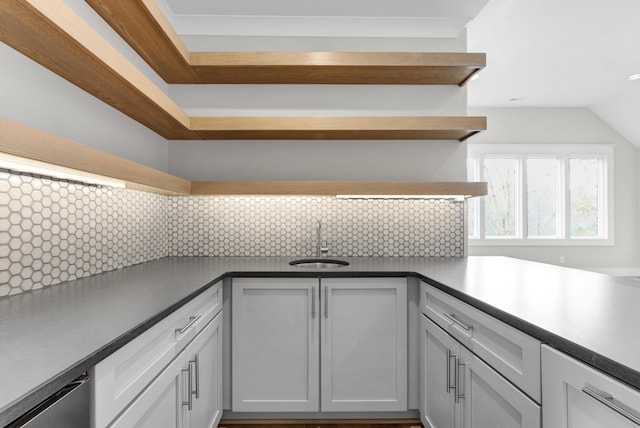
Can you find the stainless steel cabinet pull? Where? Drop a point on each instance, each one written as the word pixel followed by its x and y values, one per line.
pixel 453 318
pixel 608 400
pixel 449 357
pixel 313 302
pixel 189 402
pixel 459 386
pixel 455 378
pixel 326 302
pixel 196 362
pixel 192 321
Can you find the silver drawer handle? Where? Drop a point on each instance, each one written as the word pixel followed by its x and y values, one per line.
pixel 189 402
pixel 459 385
pixel 326 302
pixel 196 362
pixel 453 318
pixel 608 400
pixel 450 355
pixel 192 321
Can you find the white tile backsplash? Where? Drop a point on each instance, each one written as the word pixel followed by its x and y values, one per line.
pixel 53 231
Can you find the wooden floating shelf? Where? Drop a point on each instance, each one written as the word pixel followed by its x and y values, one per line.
pixel 53 35
pixel 338 128
pixel 335 188
pixel 19 140
pixel 50 33
pixel 144 27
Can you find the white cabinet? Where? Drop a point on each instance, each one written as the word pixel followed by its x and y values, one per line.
pixel 188 392
pixel 437 382
pixel 161 403
pixel 275 342
pixel 142 382
pixel 364 344
pixel 460 391
pixel 303 344
pixel 514 354
pixel 204 356
pixel 577 396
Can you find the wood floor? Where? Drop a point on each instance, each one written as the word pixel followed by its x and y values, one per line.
pixel 321 423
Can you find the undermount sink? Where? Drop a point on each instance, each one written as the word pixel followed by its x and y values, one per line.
pixel 319 263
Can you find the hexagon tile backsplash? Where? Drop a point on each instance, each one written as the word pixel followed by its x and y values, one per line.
pixel 53 231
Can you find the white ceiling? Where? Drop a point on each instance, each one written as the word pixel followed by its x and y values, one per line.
pixel 560 53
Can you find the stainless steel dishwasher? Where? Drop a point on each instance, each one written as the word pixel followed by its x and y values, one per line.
pixel 70 407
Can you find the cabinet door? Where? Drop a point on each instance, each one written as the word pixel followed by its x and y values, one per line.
pixel 161 404
pixel 275 344
pixel 205 356
pixel 438 354
pixel 490 400
pixel 364 344
pixel 577 396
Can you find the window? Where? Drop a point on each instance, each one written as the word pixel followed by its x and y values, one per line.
pixel 541 194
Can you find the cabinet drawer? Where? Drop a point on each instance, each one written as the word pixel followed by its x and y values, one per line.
pixel 123 375
pixel 515 355
pixel 577 396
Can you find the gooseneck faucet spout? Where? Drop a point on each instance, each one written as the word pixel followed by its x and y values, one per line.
pixel 320 250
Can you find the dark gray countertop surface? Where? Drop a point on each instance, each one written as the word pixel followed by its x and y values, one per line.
pixel 50 336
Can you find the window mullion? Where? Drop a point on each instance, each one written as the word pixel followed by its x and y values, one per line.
pixel 481 225
pixel 566 206
pixel 523 228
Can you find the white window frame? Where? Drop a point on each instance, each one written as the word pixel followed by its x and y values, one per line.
pixel 562 151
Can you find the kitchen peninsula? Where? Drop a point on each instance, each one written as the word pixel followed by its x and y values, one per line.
pixel 52 335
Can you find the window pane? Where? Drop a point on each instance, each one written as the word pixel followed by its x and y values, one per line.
pixel 584 188
pixel 472 203
pixel 500 203
pixel 542 198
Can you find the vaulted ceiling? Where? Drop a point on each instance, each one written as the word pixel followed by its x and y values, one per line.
pixel 569 53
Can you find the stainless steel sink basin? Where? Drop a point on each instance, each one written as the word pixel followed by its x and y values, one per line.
pixel 319 263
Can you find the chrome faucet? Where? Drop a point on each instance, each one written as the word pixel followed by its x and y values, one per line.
pixel 320 250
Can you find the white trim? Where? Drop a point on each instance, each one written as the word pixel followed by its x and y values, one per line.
pixel 563 152
pixel 541 242
pixel 540 149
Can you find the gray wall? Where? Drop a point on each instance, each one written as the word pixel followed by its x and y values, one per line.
pixel 566 126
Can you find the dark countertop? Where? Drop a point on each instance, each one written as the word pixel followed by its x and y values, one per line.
pixel 50 336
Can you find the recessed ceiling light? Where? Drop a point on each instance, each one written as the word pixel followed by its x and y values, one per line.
pixel 634 77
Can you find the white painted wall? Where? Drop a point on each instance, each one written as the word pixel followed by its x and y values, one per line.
pixel 571 125
pixel 325 44
pixel 321 160
pixel 32 95
pixel 318 160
